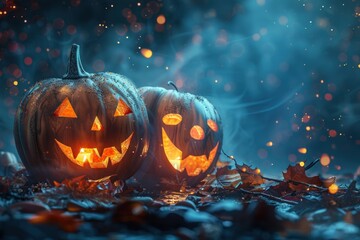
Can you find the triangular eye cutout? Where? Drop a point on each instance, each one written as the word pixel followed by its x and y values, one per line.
pixel 96 125
pixel 65 110
pixel 122 109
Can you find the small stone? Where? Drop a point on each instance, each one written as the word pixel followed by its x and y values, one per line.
pixel 29 207
pixel 186 203
pixel 9 164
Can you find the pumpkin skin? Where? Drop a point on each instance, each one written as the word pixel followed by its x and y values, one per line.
pixel 83 124
pixel 183 147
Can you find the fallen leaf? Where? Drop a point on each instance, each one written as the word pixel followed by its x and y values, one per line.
pixel 228 178
pixel 301 227
pixel 133 212
pixel 249 176
pixel 57 218
pixel 297 173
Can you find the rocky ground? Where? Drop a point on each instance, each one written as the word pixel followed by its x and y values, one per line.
pixel 235 202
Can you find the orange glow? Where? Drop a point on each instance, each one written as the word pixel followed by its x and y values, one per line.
pixel 325 159
pixel 122 109
pixel 65 110
pixel 173 154
pixel 194 165
pixel 197 132
pixel 92 156
pixel 308 128
pixel 333 188
pixel 96 125
pixel 328 96
pixel 147 53
pixel 302 164
pixel 306 118
pixel 257 171
pixel 172 119
pixel 269 144
pixel 302 150
pixel 161 19
pixel 243 169
pixel 212 124
pixel 332 133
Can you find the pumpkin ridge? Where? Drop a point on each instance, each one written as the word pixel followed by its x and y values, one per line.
pixel 91 95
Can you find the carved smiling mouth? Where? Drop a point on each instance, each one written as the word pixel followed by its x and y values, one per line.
pixel 194 165
pixel 92 156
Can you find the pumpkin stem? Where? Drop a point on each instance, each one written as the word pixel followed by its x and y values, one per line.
pixel 173 84
pixel 75 69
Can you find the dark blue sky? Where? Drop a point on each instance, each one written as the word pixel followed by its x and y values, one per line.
pixel 285 72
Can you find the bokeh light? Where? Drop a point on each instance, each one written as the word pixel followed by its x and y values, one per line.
pixel 282 74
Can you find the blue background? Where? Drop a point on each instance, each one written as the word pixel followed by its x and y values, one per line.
pixel 272 68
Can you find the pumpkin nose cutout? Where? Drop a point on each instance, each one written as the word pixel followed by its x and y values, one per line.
pixel 197 133
pixel 96 126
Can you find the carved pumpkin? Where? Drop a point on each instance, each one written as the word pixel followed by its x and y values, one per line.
pixel 82 124
pixel 186 136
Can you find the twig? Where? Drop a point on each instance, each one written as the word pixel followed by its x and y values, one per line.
pixel 279 181
pixel 293 181
pixel 288 181
pixel 261 193
pixel 312 164
pixel 228 156
pixel 269 196
pixel 275 180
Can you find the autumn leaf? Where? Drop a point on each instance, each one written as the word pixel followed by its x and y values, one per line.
pixel 225 176
pixel 228 178
pixel 57 218
pixel 133 212
pixel 297 173
pixel 101 191
pixel 249 176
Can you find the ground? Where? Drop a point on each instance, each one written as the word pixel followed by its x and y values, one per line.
pixel 235 202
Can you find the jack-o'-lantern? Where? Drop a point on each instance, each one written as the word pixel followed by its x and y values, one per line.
pixel 186 136
pixel 82 124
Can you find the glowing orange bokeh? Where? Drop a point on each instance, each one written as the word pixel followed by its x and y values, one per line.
pixel 302 150
pixel 333 188
pixel 161 19
pixel 325 159
pixel 147 53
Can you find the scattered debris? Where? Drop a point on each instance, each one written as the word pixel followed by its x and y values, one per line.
pixel 235 200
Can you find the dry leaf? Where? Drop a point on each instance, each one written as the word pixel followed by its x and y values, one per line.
pixel 228 178
pixel 297 173
pixel 249 176
pixel 57 218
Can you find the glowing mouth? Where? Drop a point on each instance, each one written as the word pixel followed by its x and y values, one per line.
pixel 92 156
pixel 194 165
